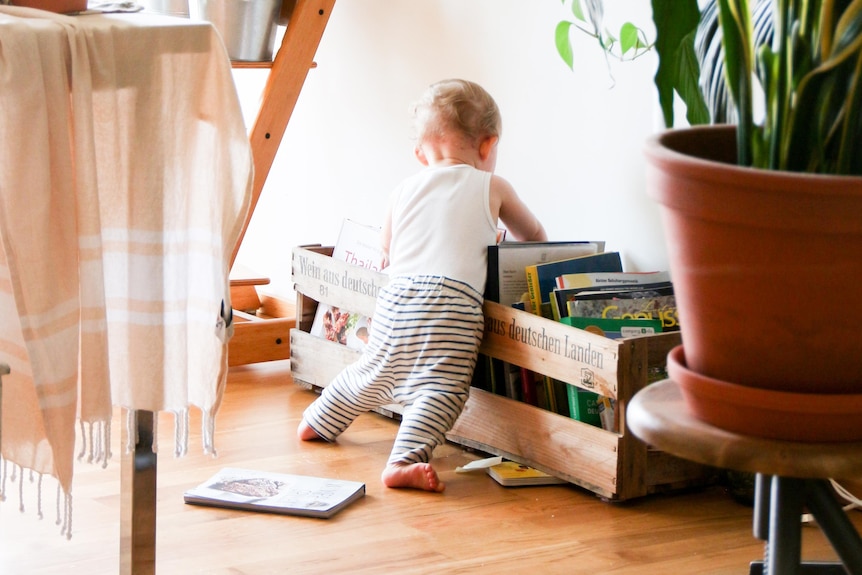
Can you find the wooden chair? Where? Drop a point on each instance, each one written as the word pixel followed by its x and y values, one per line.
pixel 790 477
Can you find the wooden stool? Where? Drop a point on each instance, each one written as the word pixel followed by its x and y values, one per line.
pixel 790 477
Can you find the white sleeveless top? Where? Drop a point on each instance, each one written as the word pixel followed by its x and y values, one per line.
pixel 442 225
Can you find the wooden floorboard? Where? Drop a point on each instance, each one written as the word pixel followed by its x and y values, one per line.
pixel 476 526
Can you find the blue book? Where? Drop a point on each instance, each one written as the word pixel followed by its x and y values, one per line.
pixel 542 278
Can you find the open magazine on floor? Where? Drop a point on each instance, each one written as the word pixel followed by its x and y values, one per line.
pixel 251 490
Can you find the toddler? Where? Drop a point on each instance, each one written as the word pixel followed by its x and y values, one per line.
pixel 428 320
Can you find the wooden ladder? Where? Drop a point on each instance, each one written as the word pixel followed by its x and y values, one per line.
pixel 262 325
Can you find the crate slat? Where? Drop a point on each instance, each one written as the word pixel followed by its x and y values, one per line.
pixel 335 282
pixel 575 451
pixel 577 357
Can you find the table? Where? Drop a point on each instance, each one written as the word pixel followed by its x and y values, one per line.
pixel 789 476
pixel 125 179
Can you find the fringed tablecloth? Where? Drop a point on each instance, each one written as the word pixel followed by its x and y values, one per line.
pixel 125 177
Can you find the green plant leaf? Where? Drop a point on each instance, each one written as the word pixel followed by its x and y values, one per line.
pixel 735 19
pixel 848 32
pixel 674 21
pixel 849 159
pixel 822 133
pixel 577 10
pixel 687 83
pixel 628 37
pixel 564 43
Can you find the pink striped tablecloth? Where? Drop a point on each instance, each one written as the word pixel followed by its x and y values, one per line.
pixel 125 178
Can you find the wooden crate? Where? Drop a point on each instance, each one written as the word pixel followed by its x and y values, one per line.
pixel 616 466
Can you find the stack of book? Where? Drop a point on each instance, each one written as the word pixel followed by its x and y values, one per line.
pixel 581 285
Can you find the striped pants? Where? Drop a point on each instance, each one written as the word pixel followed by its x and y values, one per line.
pixel 425 337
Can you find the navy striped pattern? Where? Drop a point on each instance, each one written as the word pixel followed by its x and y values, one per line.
pixel 425 337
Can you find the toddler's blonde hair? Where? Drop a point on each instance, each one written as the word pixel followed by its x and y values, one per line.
pixel 458 106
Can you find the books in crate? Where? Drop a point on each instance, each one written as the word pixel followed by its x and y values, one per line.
pixel 507 282
pixel 585 282
pixel 357 244
pixel 250 490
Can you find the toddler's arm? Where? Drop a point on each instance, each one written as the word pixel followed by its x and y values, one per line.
pixel 514 213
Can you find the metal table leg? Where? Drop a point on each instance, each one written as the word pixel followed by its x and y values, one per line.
pixel 138 502
pixel 835 524
pixel 779 502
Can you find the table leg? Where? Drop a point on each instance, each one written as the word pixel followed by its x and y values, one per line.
pixel 138 501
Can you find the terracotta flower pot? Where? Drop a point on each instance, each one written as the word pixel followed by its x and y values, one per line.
pixel 60 6
pixel 766 265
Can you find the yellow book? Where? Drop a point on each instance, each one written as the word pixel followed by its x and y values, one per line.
pixel 512 474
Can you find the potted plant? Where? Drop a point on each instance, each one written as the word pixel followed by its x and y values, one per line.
pixel 763 218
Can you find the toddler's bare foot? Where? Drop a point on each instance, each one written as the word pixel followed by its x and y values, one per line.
pixel 414 476
pixel 306 433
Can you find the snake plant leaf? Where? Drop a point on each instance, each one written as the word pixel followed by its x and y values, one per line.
pixel 848 31
pixel 848 54
pixel 707 46
pixel 800 129
pixel 828 140
pixel 768 64
pixel 710 55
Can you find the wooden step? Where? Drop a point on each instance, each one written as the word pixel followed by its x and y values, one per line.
pixel 262 323
pixel 243 289
pixel 256 339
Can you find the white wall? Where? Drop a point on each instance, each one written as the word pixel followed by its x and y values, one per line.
pixel 571 141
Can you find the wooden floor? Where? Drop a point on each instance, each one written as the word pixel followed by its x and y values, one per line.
pixel 476 526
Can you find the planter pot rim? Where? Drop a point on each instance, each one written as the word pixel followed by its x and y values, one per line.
pixel 700 160
pixel 664 147
pixel 790 416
